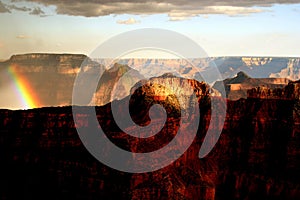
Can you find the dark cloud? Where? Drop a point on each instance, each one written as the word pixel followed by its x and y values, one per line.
pixel 3 8
pixel 176 9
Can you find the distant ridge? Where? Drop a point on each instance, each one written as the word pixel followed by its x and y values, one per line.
pixel 229 66
pixel 51 76
pixel 238 86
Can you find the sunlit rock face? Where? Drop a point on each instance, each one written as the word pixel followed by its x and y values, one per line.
pixel 170 87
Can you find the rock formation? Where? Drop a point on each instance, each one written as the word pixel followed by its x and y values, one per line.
pixel 256 67
pixel 289 92
pixel 238 86
pixel 49 76
pixel 257 155
pixel 115 84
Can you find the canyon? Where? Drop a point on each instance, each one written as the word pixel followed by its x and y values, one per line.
pixel 256 67
pixel 256 157
pixel 51 76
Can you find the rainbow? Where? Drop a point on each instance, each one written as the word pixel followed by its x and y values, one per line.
pixel 24 90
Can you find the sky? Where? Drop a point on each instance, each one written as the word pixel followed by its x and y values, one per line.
pixel 221 28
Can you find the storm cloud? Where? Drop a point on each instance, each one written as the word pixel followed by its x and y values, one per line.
pixel 175 9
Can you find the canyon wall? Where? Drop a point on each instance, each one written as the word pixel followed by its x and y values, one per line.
pixel 50 77
pixel 256 67
pixel 256 157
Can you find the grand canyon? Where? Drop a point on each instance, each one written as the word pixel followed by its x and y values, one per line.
pixel 256 157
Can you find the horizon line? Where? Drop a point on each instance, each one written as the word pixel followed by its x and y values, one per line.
pixel 163 58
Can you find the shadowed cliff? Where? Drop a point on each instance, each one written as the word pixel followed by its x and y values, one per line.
pixel 256 157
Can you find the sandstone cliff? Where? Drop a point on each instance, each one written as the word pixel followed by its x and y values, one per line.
pixel 256 157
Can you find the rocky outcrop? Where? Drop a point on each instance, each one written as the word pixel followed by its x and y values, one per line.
pixel 115 84
pixel 169 87
pixel 289 92
pixel 120 81
pixel 239 86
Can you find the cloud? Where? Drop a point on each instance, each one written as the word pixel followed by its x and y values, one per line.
pixel 3 8
pixel 175 9
pixel 22 37
pixel 37 11
pixel 128 21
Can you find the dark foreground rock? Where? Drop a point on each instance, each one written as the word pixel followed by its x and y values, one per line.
pixel 256 157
